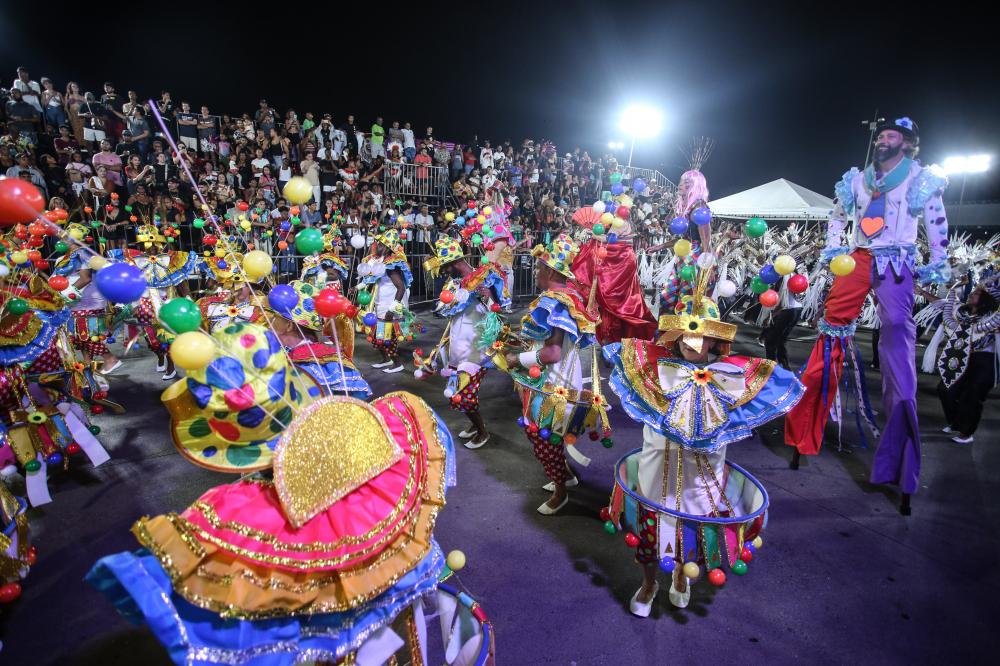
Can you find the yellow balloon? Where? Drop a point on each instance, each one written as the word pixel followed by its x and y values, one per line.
pixel 691 570
pixel 456 560
pixel 18 257
pixel 257 264
pixel 449 216
pixel 97 263
pixel 682 248
pixel 617 223
pixel 207 253
pixel 758 542
pixel 220 253
pixel 842 265
pixel 75 234
pixel 607 218
pixel 192 350
pixel 245 226
pixel 486 211
pixel 205 207
pixel 298 190
pixel 481 219
pixel 401 218
pixel 784 264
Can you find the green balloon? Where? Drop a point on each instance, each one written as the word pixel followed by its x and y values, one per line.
pixel 32 466
pixel 607 442
pixel 309 241
pixel 128 208
pixel 180 315
pixel 198 223
pixel 616 178
pixel 295 220
pixel 17 306
pixel 61 247
pixel 598 229
pixel 610 528
pixel 756 227
pixel 687 273
pixel 758 286
pixel 364 297
pixel 477 239
pixel 483 260
pixel 94 430
pixel 95 224
pixel 555 439
pixel 739 567
pixel 489 233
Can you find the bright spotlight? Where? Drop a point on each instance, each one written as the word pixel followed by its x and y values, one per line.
pixel 641 121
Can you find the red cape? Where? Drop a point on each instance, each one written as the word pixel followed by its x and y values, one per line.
pixel 624 313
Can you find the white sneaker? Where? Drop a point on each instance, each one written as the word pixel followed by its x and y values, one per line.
pixel 958 439
pixel 947 430
pixel 679 599
pixel 390 371
pixel 383 364
pixel 551 485
pixel 467 434
pixel 643 609
pixel 470 444
pixel 161 366
pixel 167 376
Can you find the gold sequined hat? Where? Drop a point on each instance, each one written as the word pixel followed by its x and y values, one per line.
pixel 695 318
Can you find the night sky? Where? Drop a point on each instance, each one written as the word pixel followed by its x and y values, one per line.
pixel 782 90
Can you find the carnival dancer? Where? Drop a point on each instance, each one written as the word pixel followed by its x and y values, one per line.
pixel 683 506
pixel 383 298
pixel 885 203
pixel 471 300
pixel 558 337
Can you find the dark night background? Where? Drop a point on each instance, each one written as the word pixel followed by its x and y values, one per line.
pixel 782 89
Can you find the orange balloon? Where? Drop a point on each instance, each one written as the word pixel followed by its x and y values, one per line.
pixel 88 210
pixel 294 210
pixel 282 245
pixel 249 246
pixel 133 218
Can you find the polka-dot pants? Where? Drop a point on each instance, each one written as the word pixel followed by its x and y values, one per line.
pixel 468 397
pixel 387 347
pixel 552 457
pixel 646 553
pixel 146 318
pixel 48 361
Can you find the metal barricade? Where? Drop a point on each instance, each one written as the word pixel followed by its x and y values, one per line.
pixel 419 181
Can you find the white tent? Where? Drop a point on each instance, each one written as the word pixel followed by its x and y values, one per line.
pixel 778 200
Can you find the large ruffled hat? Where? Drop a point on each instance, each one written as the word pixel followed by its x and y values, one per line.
pixel 303 312
pixel 559 254
pixel 229 415
pixel 446 251
pixel 695 318
pixel 23 337
pixel 390 238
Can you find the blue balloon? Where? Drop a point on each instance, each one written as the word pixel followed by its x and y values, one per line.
pixel 370 319
pixel 617 189
pixel 120 283
pixel 544 433
pixel 679 225
pixel 639 185
pixel 282 298
pixel 223 265
pixel 285 226
pixel 701 215
pixel 667 565
pixel 612 238
pixel 769 275
pixel 470 213
pixel 521 421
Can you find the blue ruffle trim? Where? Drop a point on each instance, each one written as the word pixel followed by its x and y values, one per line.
pixel 548 315
pixel 938 272
pixel 843 191
pixel 831 252
pixel 836 331
pixel 777 397
pixel 926 185
pixel 176 277
pixel 73 265
pixel 141 591
pixel 329 376
pixel 31 351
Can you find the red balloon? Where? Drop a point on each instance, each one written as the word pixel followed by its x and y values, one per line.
pixel 534 372
pixel 52 215
pixel 769 298
pixel 9 592
pixel 447 297
pixel 717 577
pixel 622 212
pixel 61 214
pixel 36 241
pixel 495 307
pixel 34 255
pixel 352 311
pixel 243 206
pixel 746 555
pixel 631 540
pixel 329 303
pixel 73 448
pixel 42 265
pixel 20 201
pixel 32 555
pixel 209 239
pixel 798 283
pixel 604 514
pixel 37 228
pixel 21 234
pixel 58 282
pixel 97 409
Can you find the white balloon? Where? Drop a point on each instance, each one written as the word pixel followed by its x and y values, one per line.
pixel 378 268
pixel 726 288
pixel 364 270
pixel 598 207
pixel 418 374
pixel 357 241
pixel 391 213
pixel 4 271
pixel 706 260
